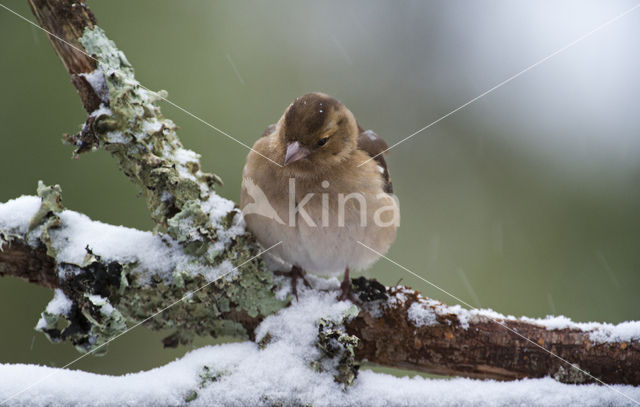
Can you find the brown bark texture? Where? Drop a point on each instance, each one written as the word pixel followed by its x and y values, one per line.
pixel 67 20
pixel 487 347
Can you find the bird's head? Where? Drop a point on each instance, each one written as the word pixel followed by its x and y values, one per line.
pixel 316 131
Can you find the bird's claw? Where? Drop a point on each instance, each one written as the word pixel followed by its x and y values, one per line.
pixel 295 274
pixel 346 291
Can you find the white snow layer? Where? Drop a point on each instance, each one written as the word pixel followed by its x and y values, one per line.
pixel 155 254
pixel 281 374
pixel 98 83
pixel 16 214
pixel 424 313
pixel 60 304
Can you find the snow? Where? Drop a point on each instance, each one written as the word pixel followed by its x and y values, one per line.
pixel 424 312
pixel 281 374
pixel 101 110
pixel 116 137
pixel 152 125
pixel 101 302
pixel 170 384
pixel 183 156
pixel 16 214
pixel 60 304
pixel 98 83
pixel 421 315
pixel 600 332
pixel 295 326
pixel 218 207
pixel 155 254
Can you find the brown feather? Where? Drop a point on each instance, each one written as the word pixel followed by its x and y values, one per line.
pixel 270 129
pixel 375 146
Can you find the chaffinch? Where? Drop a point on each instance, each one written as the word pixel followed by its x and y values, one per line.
pixel 318 183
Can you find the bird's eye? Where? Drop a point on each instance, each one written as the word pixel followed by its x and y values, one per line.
pixel 323 141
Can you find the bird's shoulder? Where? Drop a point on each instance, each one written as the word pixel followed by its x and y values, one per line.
pixel 376 147
pixel 259 168
pixel 269 130
pixel 265 146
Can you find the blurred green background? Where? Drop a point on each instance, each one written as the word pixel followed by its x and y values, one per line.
pixel 527 201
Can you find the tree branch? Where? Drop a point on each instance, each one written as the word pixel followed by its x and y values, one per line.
pixel 32 264
pixel 416 333
pixel 68 20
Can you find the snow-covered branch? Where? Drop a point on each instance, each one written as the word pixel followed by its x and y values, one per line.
pixel 108 277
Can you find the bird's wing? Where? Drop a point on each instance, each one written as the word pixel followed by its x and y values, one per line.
pixel 260 205
pixel 375 146
pixel 268 130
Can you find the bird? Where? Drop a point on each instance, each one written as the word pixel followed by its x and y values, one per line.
pixel 317 183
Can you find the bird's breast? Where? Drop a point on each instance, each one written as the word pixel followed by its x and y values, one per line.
pixel 320 224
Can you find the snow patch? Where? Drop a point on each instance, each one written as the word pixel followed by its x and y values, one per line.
pixel 152 125
pixel 60 304
pixel 599 332
pixel 101 110
pixel 421 314
pixel 16 214
pixel 424 313
pixel 97 81
pixel 218 208
pixel 155 254
pixel 183 156
pixel 99 301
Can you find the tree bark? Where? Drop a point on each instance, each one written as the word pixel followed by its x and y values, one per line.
pixel 20 260
pixel 67 20
pixel 449 345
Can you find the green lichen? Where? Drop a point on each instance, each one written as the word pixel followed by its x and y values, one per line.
pixel 108 297
pixel 132 128
pixel 338 348
pixel 46 218
pixel 572 374
pixel 143 141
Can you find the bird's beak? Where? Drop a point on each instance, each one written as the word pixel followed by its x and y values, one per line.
pixel 295 152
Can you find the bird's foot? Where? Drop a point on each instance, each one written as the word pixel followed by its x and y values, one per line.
pixel 346 289
pixel 295 274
